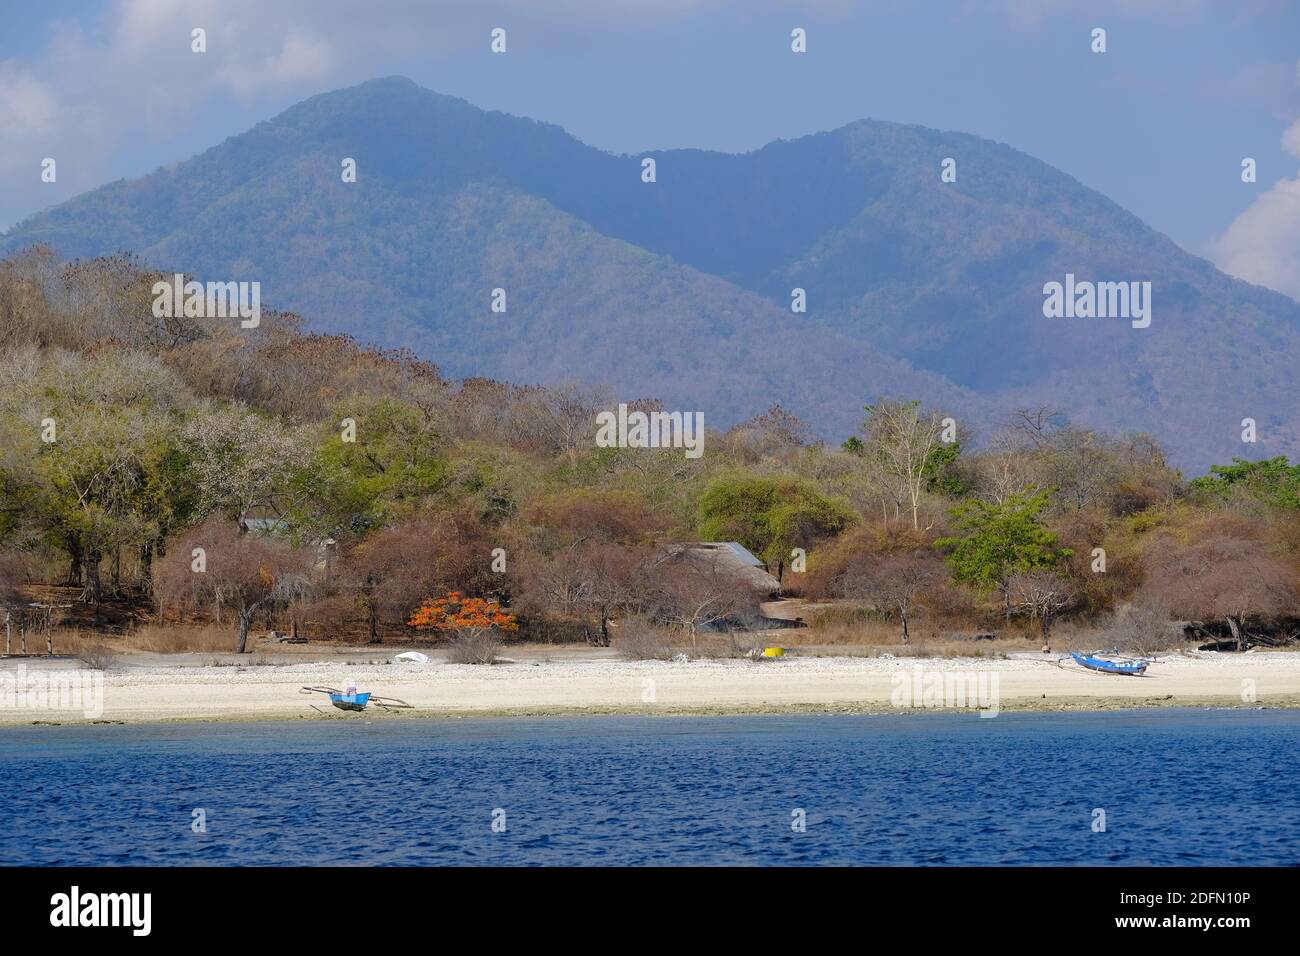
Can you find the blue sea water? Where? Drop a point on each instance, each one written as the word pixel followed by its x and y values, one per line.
pixel 1176 787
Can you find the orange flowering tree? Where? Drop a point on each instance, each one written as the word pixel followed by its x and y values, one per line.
pixel 461 614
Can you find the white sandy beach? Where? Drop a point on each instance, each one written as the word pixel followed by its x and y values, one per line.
pixel 161 690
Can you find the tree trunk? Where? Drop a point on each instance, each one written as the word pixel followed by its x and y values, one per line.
pixel 604 627
pixel 372 608
pixel 245 619
pixel 145 577
pixel 1236 632
pixel 902 612
pixel 93 590
pixel 1006 601
pixel 74 564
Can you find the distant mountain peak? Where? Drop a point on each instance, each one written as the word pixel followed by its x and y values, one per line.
pixel 682 288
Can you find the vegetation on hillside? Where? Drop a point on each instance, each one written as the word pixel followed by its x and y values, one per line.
pixel 136 451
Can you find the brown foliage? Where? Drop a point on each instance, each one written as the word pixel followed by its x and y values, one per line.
pixel 1221 570
pixel 693 590
pixel 241 571
pixel 900 568
pixel 397 567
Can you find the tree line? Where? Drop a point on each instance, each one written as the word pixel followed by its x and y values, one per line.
pixel 199 470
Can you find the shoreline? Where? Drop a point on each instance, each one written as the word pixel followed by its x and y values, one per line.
pixel 163 692
pixel 1075 706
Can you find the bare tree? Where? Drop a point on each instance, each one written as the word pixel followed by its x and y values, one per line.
pixel 397 567
pixel 1006 468
pixel 894 581
pixel 590 579
pixel 1036 424
pixel 1223 574
pixel 901 439
pixel 1043 595
pixel 694 590
pixel 216 565
pixel 1143 627
pixel 776 433
pixel 1081 464
pixel 12 573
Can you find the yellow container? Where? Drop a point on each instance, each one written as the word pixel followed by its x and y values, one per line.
pixel 774 652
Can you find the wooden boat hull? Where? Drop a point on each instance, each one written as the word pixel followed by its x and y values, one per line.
pixel 1103 666
pixel 350 701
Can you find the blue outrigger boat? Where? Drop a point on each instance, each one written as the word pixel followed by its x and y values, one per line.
pixel 353 700
pixel 1128 666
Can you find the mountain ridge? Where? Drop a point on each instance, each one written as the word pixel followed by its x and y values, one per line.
pixel 915 287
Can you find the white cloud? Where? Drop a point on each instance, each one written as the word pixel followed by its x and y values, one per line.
pixel 300 58
pixel 1291 139
pixel 1262 245
pixel 27 106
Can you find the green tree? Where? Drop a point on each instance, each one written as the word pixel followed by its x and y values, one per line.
pixel 1000 541
pixel 942 474
pixel 375 469
pixel 90 463
pixel 769 516
pixel 1274 481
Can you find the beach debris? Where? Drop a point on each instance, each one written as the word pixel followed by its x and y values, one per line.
pixel 280 637
pixel 412 657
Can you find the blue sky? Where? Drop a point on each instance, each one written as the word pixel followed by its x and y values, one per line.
pixel 1160 122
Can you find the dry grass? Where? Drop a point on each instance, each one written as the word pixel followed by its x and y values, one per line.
pixel 474 648
pixel 638 640
pixel 149 637
pixel 175 640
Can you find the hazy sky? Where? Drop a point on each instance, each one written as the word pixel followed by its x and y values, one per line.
pixel 1160 122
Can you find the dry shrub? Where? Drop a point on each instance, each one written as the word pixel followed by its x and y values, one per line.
pixel 638 640
pixel 951 649
pixel 848 624
pixel 726 645
pixel 1143 628
pixel 179 640
pixel 341 616
pixel 474 647
pixel 97 656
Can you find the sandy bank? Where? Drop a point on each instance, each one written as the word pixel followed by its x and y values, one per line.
pixel 156 691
